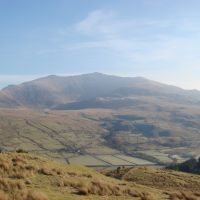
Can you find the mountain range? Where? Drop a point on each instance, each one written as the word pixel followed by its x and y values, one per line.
pixel 90 90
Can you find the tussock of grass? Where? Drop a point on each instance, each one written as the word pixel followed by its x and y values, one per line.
pixel 99 188
pixel 13 171
pixel 57 171
pixel 16 190
pixel 197 194
pixel 45 171
pixel 36 196
pixel 183 196
pixel 4 166
pixel 3 195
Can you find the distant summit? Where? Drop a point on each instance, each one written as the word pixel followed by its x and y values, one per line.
pixel 53 91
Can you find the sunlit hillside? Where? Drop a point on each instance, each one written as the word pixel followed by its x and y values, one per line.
pixel 29 177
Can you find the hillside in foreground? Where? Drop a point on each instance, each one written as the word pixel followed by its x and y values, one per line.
pixel 176 185
pixel 29 177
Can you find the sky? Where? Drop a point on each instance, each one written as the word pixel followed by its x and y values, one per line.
pixel 156 39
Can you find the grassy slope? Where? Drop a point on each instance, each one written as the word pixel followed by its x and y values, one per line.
pixel 175 185
pixel 28 177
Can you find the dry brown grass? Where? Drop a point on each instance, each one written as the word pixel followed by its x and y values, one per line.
pixel 146 196
pixel 197 194
pixel 100 188
pixel 161 179
pixel 14 172
pixel 45 171
pixel 17 172
pixel 57 171
pixel 3 195
pixel 16 190
pixel 34 173
pixel 72 174
pixel 4 166
pixel 36 196
pixel 183 196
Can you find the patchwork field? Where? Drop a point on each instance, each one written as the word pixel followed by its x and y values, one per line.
pixel 87 161
pixel 135 161
pixel 103 137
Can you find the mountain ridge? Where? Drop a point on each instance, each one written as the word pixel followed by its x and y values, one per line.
pixel 52 91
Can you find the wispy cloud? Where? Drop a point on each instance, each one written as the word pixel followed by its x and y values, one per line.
pixel 97 22
pixel 140 40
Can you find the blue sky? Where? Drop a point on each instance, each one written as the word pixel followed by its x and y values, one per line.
pixel 157 39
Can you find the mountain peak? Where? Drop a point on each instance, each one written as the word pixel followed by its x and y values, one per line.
pixel 95 74
pixel 50 91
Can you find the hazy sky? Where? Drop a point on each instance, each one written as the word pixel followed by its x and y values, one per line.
pixel 157 39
